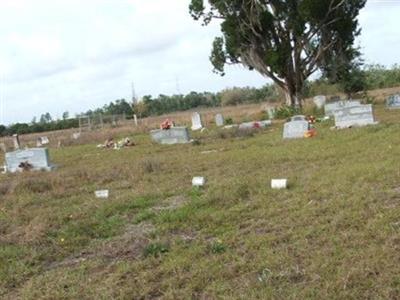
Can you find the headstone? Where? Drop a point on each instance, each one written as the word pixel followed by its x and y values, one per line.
pixel 33 159
pixel 271 113
pixel 354 116
pixel 174 135
pixel 298 118
pixel 393 101
pixel 3 147
pixel 331 107
pixel 198 181
pixel 320 101
pixel 278 184
pixel 16 142
pixel 296 128
pixel 42 141
pixel 102 194
pixel 219 120
pixel 255 124
pixel 196 121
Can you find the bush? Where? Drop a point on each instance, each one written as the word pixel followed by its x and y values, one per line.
pixel 285 112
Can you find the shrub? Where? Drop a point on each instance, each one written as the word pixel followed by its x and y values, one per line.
pixel 285 112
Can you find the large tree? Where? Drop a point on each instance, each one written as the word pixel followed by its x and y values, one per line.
pixel 284 40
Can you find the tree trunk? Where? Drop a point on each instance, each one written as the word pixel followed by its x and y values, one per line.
pixel 293 98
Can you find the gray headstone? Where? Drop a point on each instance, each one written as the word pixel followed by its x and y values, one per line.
pixel 393 101
pixel 271 113
pixel 174 135
pixel 354 116
pixel 196 121
pixel 16 142
pixel 219 120
pixel 255 124
pixel 320 101
pixel 37 158
pixel 298 118
pixel 331 107
pixel 295 129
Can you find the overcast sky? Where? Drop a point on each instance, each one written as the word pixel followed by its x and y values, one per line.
pixel 75 55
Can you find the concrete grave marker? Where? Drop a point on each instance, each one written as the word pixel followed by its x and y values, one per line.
pixel 42 141
pixel 196 121
pixel 354 116
pixel 16 142
pixel 271 113
pixel 255 124
pixel 174 135
pixel 296 128
pixel 219 120
pixel 331 107
pixel 393 101
pixel 35 159
pixel 319 101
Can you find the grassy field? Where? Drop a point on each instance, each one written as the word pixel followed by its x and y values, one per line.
pixel 334 234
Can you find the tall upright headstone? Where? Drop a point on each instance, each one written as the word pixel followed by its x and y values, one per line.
pixel 219 120
pixel 16 142
pixel 196 121
pixel 319 101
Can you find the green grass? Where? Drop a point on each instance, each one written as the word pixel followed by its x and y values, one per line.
pixel 334 234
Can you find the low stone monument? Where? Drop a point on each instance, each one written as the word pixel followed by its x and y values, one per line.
pixel 196 121
pixel 255 124
pixel 331 107
pixel 320 101
pixel 361 115
pixel 296 128
pixel 219 120
pixel 174 135
pixel 393 101
pixel 35 159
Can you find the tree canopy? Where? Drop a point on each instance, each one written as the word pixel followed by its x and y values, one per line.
pixel 284 40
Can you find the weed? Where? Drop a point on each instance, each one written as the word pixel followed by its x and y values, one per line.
pixel 155 249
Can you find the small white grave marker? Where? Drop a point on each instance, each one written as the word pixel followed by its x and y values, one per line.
pixel 103 194
pixel 198 181
pixel 279 184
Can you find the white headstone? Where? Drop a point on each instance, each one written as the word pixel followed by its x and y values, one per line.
pixel 198 181
pixel 331 107
pixel 103 194
pixel 393 101
pixel 219 120
pixel 196 121
pixel 295 129
pixel 354 116
pixel 320 101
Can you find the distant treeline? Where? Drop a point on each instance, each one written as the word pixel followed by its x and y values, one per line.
pixel 371 77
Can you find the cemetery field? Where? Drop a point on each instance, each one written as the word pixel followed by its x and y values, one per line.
pixel 333 234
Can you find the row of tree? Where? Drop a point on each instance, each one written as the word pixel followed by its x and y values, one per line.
pixel 370 77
